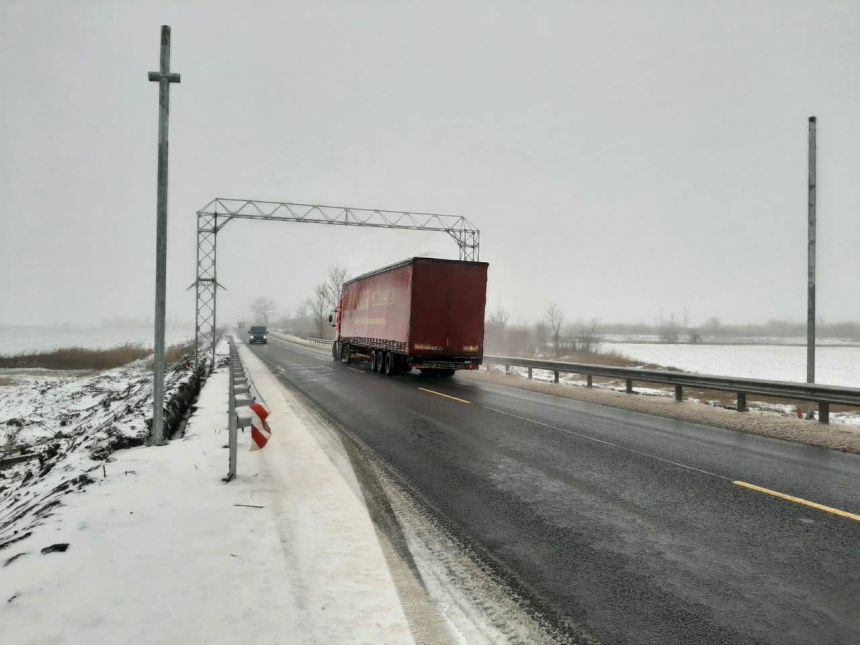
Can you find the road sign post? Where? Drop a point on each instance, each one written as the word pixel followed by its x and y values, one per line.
pixel 164 78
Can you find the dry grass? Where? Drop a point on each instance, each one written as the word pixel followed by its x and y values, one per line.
pixel 5 381
pixel 78 358
pixel 178 351
pixel 175 353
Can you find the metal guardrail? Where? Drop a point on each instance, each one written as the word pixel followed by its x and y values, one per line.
pixel 322 342
pixel 242 393
pixel 823 395
pixel 319 341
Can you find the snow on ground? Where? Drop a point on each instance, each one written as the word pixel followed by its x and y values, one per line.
pixel 834 365
pixel 160 550
pixel 17 340
pixel 71 423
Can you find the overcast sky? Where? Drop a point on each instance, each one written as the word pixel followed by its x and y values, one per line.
pixel 620 158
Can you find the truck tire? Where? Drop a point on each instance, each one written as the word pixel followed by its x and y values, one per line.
pixel 335 351
pixel 447 373
pixel 380 362
pixel 345 353
pixel 373 360
pixel 390 366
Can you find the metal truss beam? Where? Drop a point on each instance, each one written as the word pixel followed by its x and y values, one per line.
pixel 218 212
pixel 206 288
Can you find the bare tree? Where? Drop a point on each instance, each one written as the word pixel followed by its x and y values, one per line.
pixel 334 285
pixel 541 337
pixel 555 318
pixel 589 340
pixel 499 318
pixel 264 308
pixel 496 330
pixel 713 325
pixel 318 304
pixel 669 333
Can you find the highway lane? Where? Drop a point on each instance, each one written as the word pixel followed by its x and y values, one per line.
pixel 627 524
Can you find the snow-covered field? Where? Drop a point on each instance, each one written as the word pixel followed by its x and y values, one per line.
pixel 17 340
pixel 72 424
pixel 735 340
pixel 834 365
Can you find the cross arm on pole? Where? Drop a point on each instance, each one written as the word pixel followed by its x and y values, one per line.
pixel 170 76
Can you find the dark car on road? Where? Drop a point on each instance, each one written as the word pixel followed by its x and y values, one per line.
pixel 258 334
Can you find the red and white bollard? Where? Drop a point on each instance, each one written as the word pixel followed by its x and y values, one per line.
pixel 260 431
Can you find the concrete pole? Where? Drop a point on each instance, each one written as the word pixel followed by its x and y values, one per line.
pixel 810 305
pixel 163 77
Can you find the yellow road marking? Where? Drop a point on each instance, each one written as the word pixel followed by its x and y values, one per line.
pixel 354 370
pixel 453 398
pixel 798 500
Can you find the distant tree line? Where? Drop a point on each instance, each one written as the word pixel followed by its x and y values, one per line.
pixel 554 335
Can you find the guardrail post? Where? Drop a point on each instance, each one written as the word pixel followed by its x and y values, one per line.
pixel 629 386
pixel 530 373
pixel 679 393
pixel 824 412
pixel 507 369
pixel 742 401
pixel 588 382
pixel 555 377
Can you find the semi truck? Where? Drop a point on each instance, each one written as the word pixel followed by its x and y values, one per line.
pixel 423 313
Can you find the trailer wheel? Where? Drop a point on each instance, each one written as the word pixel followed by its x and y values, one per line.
pixel 447 373
pixel 336 350
pixel 390 364
pixel 345 354
pixel 373 360
pixel 380 362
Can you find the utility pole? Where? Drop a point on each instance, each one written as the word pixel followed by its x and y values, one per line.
pixel 164 78
pixel 810 305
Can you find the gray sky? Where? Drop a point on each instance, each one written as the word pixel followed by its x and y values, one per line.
pixel 619 159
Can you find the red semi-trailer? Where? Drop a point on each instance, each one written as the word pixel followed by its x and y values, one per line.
pixel 422 313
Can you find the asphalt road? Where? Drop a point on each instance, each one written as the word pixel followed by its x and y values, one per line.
pixel 627 524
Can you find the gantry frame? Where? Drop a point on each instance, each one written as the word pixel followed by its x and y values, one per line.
pixel 215 215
